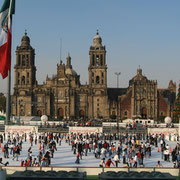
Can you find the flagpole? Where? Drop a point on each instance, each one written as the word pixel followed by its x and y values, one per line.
pixel 8 98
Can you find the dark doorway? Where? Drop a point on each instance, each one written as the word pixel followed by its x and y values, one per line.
pixel 144 112
pixel 39 113
pixel 60 112
pixel 81 113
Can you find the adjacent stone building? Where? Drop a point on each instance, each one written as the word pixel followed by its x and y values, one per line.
pixel 63 96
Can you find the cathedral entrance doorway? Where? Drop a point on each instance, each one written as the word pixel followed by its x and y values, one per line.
pixel 39 113
pixel 22 112
pixel 81 113
pixel 113 113
pixel 60 112
pixel 144 112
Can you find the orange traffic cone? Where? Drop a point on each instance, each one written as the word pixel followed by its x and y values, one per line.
pixel 158 150
pixel 170 150
pixel 39 146
pixel 2 149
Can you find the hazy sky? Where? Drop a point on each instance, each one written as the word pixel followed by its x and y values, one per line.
pixel 135 32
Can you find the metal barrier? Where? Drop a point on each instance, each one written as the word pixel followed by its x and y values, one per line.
pixel 91 170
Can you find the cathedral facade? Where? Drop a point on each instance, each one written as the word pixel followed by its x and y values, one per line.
pixel 62 96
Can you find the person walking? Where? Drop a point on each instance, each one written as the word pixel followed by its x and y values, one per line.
pixel 102 162
pixel 139 157
pixel 6 151
pixel 124 157
pixel 135 161
pixel 158 164
pixel 11 148
pixel 48 158
pixel 109 162
pixel 77 158
pixel 116 160
pixel 16 153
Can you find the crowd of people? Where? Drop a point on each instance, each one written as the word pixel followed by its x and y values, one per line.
pixel 130 149
pixel 13 147
pixel 111 149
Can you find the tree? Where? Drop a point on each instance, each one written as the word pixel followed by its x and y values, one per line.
pixel 112 116
pixel 2 102
pixel 176 112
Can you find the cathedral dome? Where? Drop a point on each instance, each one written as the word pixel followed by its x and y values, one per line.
pixel 97 40
pixel 25 41
pixel 70 71
pixel 138 77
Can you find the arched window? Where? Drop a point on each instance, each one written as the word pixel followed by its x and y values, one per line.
pixel 97 79
pixel 125 113
pixel 97 59
pixel 93 60
pixel 27 60
pixel 23 60
pixel 23 80
pixel 19 60
pixel 101 59
pixel 92 77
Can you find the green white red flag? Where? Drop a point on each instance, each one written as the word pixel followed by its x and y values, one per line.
pixel 7 9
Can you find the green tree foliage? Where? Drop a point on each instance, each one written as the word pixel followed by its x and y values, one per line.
pixel 2 102
pixel 161 119
pixel 112 116
pixel 176 113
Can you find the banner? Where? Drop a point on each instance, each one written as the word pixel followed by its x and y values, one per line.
pixel 21 129
pixel 85 130
pixel 165 131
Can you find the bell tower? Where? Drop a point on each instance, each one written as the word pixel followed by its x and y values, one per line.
pixel 97 67
pixel 25 79
pixel 98 79
pixel 25 70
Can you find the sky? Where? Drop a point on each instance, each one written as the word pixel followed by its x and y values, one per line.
pixel 135 32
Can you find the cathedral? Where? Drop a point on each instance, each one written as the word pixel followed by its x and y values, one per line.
pixel 62 96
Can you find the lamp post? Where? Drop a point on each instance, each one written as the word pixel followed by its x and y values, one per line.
pixel 66 112
pixel 19 109
pixel 117 121
pixel 117 74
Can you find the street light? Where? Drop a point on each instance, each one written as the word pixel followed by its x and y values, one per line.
pixel 19 110
pixel 117 74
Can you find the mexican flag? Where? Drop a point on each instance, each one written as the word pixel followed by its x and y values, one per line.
pixel 6 12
